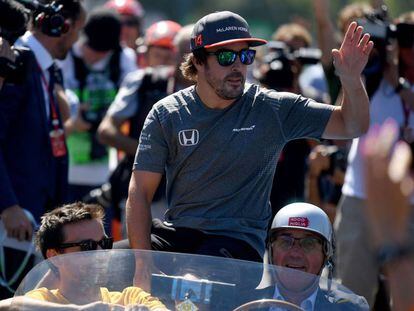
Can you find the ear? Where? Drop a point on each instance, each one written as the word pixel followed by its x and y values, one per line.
pixel 199 66
pixel 51 252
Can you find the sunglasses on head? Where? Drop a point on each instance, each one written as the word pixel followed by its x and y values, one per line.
pixel 307 244
pixel 228 57
pixel 90 245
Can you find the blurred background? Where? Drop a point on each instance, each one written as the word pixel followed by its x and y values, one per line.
pixel 263 16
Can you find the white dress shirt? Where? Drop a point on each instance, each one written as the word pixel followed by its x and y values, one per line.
pixel 43 58
pixel 308 304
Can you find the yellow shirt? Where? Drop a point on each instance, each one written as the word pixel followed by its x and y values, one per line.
pixel 130 295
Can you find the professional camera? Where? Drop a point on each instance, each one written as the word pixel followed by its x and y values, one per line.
pixel 382 32
pixel 377 24
pixel 337 159
pixel 13 21
pixel 14 16
pixel 282 65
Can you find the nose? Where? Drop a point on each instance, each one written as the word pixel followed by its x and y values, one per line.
pixel 237 64
pixel 296 246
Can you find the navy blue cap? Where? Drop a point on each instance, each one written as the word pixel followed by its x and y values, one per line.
pixel 102 30
pixel 221 28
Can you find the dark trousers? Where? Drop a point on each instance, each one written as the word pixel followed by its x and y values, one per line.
pixel 192 241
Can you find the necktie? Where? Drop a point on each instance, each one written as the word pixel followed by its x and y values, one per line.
pixel 52 79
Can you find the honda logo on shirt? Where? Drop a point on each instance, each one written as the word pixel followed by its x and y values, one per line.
pixel 188 137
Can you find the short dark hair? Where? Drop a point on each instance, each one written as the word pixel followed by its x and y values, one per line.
pixel 188 69
pixel 50 234
pixel 71 9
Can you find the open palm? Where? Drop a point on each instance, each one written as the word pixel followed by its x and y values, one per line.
pixel 353 54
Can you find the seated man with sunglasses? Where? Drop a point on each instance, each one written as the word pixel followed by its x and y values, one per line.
pixel 218 143
pixel 79 227
pixel 301 239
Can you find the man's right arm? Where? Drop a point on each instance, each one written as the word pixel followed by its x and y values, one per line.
pixel 142 187
pixel 124 107
pixel 109 133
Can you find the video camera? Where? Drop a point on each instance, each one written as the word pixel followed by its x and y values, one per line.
pixel 338 158
pixel 377 24
pixel 382 32
pixel 14 16
pixel 283 64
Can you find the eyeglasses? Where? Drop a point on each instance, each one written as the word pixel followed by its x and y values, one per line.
pixel 228 57
pixel 90 245
pixel 307 244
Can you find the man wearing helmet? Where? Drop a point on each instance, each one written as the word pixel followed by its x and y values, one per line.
pixel 132 13
pixel 301 239
pixel 158 46
pixel 310 227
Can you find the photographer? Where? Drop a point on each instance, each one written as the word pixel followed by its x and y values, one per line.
pixel 392 63
pixel 327 165
pixel 33 156
pixel 13 20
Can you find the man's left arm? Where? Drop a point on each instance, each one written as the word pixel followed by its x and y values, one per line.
pixel 351 119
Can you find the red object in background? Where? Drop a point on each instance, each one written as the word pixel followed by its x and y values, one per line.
pixel 162 34
pixel 126 7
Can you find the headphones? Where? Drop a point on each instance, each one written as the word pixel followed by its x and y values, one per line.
pixel 51 21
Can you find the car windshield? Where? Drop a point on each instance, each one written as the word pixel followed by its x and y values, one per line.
pixel 180 282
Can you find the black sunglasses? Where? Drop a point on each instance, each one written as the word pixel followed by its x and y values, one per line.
pixel 90 245
pixel 228 57
pixel 307 244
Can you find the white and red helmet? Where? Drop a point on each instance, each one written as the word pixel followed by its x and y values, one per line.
pixel 162 34
pixel 308 217
pixel 126 7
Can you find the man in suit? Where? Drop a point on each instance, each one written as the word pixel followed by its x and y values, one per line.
pixel 33 155
pixel 300 246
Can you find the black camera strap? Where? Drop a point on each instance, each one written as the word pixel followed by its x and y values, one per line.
pixel 406 131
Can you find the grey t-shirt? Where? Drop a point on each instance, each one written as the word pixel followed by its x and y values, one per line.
pixel 220 163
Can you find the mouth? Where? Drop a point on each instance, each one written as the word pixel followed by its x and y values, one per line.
pixel 235 81
pixel 296 267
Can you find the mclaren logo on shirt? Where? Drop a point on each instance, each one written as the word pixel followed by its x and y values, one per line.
pixel 188 137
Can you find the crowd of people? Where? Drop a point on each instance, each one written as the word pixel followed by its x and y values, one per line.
pixel 230 133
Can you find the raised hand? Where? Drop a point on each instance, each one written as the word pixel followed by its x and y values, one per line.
pixel 353 54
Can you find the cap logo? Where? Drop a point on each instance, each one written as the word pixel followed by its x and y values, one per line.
pixel 232 28
pixel 199 40
pixel 299 221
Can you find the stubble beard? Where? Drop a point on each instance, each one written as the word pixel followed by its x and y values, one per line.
pixel 224 90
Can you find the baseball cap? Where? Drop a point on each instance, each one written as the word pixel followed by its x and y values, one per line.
pixel 221 28
pixel 102 30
